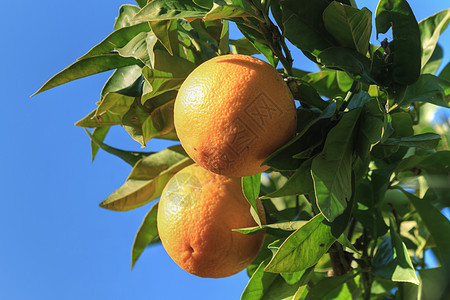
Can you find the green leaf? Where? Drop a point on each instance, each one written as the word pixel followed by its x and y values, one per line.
pixel 141 48
pixel 303 248
pixel 427 141
pixel 434 62
pixel 308 134
pixel 243 46
pixel 332 288
pixel 168 74
pixel 331 169
pixel 224 41
pixel 114 103
pixel 126 13
pixel 226 11
pixel 371 127
pixel 125 81
pixel 437 224
pixel 130 157
pixel 428 88
pixel 147 179
pixel 250 188
pixel 299 183
pixel 117 39
pixel 434 283
pixel 99 134
pixel 303 25
pixel 144 122
pixel 430 30
pixel 272 228
pixel 307 94
pixel 259 42
pixel 391 260
pixel 170 9
pixel 445 73
pixel 141 3
pixel 105 119
pixel 350 26
pixel 146 234
pixel 259 283
pixel 405 49
pixel 330 83
pixel 86 67
pixel 353 63
pixel 167 33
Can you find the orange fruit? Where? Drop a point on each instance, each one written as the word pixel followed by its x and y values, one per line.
pixel 197 212
pixel 232 112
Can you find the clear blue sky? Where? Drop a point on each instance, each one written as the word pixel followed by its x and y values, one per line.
pixel 55 242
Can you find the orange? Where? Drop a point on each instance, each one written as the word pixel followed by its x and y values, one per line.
pixel 196 215
pixel 232 112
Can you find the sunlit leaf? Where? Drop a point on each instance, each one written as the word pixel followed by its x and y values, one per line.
pixel 105 119
pixel 147 179
pixel 392 261
pixel 259 42
pixel 332 288
pixel 146 234
pixel 98 134
pixel 86 67
pixel 250 188
pixel 437 224
pixel 430 30
pixel 169 9
pixel 126 13
pixel 167 33
pixel 303 248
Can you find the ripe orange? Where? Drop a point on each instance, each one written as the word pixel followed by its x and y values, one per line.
pixel 196 214
pixel 232 112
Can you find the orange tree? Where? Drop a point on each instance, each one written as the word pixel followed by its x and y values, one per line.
pixel 354 199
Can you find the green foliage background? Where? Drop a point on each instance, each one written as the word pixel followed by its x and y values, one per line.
pixel 354 200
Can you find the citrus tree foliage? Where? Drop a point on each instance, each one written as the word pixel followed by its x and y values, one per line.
pixel 355 199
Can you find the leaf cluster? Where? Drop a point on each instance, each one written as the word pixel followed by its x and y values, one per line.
pixel 354 199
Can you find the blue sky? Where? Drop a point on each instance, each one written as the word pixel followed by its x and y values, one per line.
pixel 55 242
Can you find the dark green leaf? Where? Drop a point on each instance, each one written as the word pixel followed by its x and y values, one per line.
pixel 331 169
pixel 169 9
pixel 437 224
pixel 428 88
pixel 308 134
pixel 250 188
pixel 332 288
pixel 445 73
pixel 350 26
pixel 391 260
pixel 130 157
pixel 86 67
pixel 147 179
pixel 303 248
pixel 117 39
pixel 141 3
pixel 307 94
pixel 430 30
pixel 145 235
pixel 114 103
pixel 353 63
pixel 434 283
pixel 126 13
pixel 405 49
pixel 371 127
pixel 427 141
pixel 303 25
pixel 224 41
